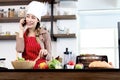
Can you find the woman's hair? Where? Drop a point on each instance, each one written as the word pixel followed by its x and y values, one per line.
pixel 37 29
pixel 37 32
pixel 37 26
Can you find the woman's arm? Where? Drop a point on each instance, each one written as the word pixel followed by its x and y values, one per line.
pixel 19 43
pixel 46 42
pixel 20 38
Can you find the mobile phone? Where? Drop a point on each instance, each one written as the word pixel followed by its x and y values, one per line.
pixel 24 23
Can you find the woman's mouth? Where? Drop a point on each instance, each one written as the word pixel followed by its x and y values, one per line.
pixel 29 24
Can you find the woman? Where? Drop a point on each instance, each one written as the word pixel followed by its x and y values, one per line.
pixel 32 41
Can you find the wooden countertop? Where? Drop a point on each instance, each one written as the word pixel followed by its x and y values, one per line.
pixel 57 74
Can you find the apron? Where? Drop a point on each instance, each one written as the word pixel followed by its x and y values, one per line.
pixel 32 49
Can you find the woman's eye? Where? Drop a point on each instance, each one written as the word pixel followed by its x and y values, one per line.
pixel 27 16
pixel 33 17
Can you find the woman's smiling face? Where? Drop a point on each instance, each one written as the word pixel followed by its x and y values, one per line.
pixel 31 21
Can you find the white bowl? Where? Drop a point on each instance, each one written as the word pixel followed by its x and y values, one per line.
pixel 70 66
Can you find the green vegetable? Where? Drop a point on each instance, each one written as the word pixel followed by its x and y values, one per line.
pixel 53 64
pixel 21 59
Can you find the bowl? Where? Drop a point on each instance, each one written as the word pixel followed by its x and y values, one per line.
pixel 23 64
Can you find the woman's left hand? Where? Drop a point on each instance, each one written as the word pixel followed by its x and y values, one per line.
pixel 43 53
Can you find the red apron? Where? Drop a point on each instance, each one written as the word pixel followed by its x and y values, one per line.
pixel 32 49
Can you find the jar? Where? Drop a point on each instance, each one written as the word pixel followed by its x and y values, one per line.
pixel 1 13
pixel 7 33
pixel 21 12
pixel 8 12
pixel 11 12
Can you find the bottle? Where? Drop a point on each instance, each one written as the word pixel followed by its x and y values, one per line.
pixel 0 13
pixel 8 12
pixel 67 57
pixel 70 56
pixel 21 12
pixel 12 12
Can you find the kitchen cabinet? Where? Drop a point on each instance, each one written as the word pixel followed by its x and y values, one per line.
pixel 44 18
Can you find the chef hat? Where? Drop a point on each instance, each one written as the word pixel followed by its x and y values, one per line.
pixel 37 9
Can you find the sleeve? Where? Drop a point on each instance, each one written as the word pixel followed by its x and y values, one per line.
pixel 47 44
pixel 19 44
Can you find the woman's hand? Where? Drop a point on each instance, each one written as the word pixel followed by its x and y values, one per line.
pixel 22 21
pixel 43 53
pixel 22 28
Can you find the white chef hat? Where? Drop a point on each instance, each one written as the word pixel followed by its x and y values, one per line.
pixel 36 8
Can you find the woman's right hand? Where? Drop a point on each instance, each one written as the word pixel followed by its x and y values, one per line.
pixel 22 21
pixel 22 28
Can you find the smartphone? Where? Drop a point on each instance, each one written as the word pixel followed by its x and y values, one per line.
pixel 24 23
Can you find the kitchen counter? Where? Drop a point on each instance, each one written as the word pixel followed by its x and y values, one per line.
pixel 60 74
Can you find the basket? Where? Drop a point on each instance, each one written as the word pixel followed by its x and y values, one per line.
pixel 23 64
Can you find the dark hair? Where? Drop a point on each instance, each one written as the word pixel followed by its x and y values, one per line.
pixel 37 29
pixel 37 26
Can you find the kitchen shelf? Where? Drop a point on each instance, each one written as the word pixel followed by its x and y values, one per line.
pixel 65 17
pixel 44 18
pixel 13 37
pixel 65 35
pixel 64 0
pixel 7 37
pixel 16 19
pixel 19 2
